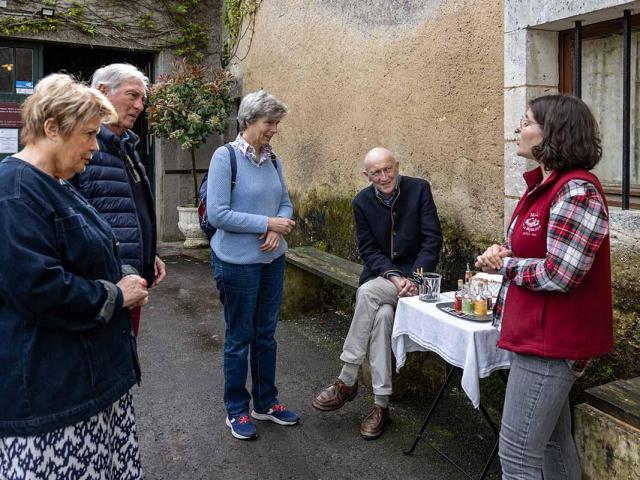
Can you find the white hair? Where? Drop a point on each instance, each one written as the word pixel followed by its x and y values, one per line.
pixel 114 75
pixel 260 104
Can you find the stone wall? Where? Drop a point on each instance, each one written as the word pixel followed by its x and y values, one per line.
pixel 344 70
pixel 423 78
pixel 608 448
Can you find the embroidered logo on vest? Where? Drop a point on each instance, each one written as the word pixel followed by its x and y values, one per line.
pixel 531 225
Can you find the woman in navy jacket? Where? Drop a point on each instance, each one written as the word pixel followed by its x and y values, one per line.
pixel 67 356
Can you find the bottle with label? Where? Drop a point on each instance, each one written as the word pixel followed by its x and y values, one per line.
pixel 457 299
pixel 479 301
pixel 486 293
pixel 467 300
pixel 468 275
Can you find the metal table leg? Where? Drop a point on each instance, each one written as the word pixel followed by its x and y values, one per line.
pixel 485 413
pixel 432 408
pixel 494 452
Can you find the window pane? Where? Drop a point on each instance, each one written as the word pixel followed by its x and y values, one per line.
pixel 602 73
pixel 6 69
pixel 24 71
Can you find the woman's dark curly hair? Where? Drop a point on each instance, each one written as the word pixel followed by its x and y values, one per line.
pixel 570 135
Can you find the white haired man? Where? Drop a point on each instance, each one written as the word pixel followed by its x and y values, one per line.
pixel 115 182
pixel 398 233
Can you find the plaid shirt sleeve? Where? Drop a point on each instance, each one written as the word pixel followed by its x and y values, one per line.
pixel 577 225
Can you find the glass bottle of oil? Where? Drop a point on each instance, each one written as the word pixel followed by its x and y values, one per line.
pixel 479 301
pixel 468 275
pixel 486 293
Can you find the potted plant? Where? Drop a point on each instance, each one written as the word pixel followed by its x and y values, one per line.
pixel 188 105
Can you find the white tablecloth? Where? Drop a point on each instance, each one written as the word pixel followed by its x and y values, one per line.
pixel 420 326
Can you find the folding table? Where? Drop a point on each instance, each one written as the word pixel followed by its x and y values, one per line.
pixel 468 347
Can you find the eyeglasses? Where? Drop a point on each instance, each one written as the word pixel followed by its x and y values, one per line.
pixel 376 174
pixel 525 122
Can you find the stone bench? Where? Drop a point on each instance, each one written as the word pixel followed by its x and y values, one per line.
pixel 305 283
pixel 325 265
pixel 607 430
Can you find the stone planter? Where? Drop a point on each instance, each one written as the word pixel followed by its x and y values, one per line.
pixel 189 225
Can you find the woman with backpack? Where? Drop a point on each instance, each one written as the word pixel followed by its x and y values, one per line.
pixel 248 205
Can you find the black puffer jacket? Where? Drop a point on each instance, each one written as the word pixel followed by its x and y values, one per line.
pixel 105 184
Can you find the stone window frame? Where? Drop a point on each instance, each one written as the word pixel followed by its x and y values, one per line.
pixel 531 69
pixel 566 83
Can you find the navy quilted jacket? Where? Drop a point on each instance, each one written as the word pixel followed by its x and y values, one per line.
pixel 105 184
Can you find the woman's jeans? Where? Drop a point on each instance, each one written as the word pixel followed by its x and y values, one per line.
pixel 535 437
pixel 251 295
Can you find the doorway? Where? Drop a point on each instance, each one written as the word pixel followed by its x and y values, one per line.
pixel 83 61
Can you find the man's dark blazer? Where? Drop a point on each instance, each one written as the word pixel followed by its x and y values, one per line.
pixel 404 237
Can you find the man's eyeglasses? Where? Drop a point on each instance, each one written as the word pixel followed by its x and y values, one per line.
pixel 378 173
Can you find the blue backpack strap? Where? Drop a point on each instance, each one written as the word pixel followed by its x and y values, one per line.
pixel 233 163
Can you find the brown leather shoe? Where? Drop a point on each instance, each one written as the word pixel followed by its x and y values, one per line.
pixel 335 396
pixel 373 424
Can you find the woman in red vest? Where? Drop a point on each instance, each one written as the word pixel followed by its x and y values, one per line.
pixel 554 308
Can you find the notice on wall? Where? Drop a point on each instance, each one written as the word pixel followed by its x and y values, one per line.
pixel 24 87
pixel 8 140
pixel 10 116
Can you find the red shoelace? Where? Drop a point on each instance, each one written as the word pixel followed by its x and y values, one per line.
pixel 244 419
pixel 278 408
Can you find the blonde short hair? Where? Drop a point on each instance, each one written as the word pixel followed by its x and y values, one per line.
pixel 65 100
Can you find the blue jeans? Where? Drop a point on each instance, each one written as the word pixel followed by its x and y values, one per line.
pixel 535 436
pixel 252 295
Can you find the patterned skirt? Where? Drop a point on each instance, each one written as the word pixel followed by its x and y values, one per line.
pixel 103 447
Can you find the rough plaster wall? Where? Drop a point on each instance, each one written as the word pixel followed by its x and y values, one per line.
pixel 423 78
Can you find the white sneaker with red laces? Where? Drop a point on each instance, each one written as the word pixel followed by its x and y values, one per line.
pixel 242 427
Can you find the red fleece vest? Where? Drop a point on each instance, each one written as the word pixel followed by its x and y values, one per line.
pixel 577 324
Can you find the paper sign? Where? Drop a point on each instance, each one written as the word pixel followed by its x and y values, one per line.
pixel 8 140
pixel 24 87
pixel 10 115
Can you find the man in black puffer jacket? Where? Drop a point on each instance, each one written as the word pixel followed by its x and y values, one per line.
pixel 115 182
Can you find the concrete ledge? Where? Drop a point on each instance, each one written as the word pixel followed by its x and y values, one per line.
pixel 173 249
pixel 625 228
pixel 608 448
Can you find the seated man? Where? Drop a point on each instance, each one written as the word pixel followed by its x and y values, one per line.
pixel 398 232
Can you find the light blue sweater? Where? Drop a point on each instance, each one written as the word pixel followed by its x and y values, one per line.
pixel 241 215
